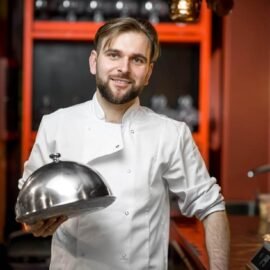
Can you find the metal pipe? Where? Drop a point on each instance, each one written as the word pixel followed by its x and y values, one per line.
pixel 258 170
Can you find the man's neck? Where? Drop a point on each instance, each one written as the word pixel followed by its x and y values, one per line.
pixel 113 112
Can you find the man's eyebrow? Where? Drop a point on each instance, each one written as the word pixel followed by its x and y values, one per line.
pixel 109 50
pixel 112 50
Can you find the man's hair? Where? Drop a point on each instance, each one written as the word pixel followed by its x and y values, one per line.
pixel 115 27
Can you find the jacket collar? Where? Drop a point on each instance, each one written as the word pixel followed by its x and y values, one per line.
pixel 99 113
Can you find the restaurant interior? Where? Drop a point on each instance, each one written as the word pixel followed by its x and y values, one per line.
pixel 218 82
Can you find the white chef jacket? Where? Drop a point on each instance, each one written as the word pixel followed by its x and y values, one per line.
pixel 140 159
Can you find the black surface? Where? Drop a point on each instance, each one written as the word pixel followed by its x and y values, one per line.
pixel 61 75
pixel 262 259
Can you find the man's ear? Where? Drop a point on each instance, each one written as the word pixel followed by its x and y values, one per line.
pixel 93 62
pixel 148 75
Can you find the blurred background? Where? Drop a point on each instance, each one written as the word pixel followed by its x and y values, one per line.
pixel 214 74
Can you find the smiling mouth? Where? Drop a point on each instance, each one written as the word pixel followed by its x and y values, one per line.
pixel 121 81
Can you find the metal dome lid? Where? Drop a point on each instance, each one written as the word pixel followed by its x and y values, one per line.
pixel 61 188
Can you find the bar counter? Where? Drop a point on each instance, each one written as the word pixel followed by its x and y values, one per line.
pixel 246 239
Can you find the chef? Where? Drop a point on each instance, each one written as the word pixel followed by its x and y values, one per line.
pixel 141 154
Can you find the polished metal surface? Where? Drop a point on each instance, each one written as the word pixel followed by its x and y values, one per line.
pixel 61 188
pixel 185 10
pixel 258 170
pixel 189 10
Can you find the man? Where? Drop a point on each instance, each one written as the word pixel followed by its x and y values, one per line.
pixel 142 155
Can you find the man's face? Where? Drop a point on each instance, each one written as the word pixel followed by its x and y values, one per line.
pixel 123 68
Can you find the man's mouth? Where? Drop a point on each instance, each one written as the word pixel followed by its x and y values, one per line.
pixel 121 81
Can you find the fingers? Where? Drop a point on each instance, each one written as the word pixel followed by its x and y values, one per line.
pixel 33 227
pixel 52 226
pixel 45 228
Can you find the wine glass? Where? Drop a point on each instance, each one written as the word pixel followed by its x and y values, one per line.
pixel 154 10
pixel 94 9
pixel 68 8
pixel 41 9
pixel 126 8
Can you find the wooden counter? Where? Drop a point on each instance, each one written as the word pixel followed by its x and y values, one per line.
pixel 246 239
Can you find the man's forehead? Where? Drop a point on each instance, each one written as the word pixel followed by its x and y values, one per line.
pixel 109 41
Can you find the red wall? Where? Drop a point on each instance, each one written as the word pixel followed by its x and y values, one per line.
pixel 246 102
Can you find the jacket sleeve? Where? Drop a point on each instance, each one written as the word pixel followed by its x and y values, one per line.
pixel 188 178
pixel 40 152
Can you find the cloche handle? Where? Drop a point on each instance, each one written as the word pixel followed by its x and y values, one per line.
pixel 55 157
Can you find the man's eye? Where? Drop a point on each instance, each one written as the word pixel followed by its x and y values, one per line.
pixel 113 55
pixel 138 60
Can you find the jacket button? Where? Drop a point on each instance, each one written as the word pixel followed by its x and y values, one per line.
pixel 124 256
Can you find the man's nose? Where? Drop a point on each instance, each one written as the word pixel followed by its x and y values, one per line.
pixel 123 65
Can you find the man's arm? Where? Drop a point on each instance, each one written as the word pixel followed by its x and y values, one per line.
pixel 217 235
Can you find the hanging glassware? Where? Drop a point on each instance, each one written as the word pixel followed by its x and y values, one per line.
pixel 94 10
pixel 125 8
pixel 41 9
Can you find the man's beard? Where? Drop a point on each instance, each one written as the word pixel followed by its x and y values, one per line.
pixel 107 93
